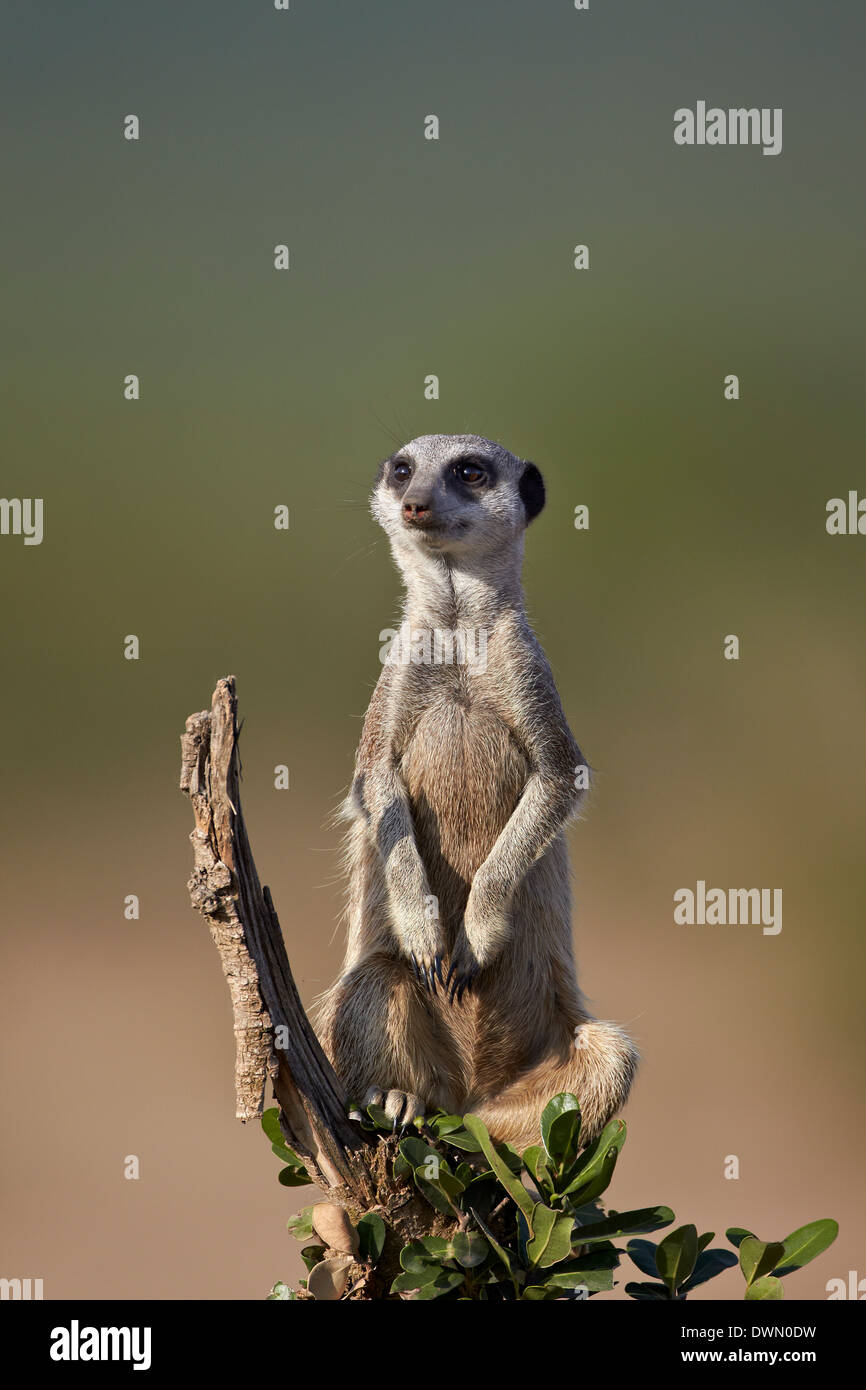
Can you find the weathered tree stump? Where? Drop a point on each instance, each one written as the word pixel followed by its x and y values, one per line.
pixel 274 1038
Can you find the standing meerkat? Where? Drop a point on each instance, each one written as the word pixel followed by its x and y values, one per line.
pixel 458 990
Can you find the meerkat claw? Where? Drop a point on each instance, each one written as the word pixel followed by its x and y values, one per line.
pixel 401 1107
pixel 463 980
pixel 466 985
pixel 426 974
pixel 449 987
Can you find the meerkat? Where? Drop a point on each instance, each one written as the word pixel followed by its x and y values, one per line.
pixel 458 990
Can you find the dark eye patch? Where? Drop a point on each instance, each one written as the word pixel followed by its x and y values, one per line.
pixel 399 472
pixel 473 471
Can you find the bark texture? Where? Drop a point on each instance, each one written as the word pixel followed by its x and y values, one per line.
pixel 274 1038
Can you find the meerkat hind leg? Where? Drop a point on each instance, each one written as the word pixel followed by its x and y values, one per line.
pixel 598 1070
pixel 385 1041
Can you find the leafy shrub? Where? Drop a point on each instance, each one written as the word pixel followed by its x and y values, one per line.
pixel 523 1226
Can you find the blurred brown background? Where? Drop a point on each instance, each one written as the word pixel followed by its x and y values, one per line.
pixel 707 518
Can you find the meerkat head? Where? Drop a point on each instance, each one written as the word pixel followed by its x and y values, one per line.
pixel 455 495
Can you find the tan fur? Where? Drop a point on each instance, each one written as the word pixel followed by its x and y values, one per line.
pixel 464 780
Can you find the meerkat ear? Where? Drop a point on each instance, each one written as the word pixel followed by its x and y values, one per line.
pixel 531 491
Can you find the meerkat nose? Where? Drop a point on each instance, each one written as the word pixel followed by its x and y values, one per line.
pixel 416 511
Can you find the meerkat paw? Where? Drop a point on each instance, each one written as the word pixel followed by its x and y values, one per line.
pixel 428 969
pixel 462 970
pixel 401 1107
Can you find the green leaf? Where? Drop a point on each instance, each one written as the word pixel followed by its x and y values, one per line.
pixel 436 1247
pixel 737 1234
pixel 647 1291
pixel 418 1152
pixel 433 1178
pixel 551 1240
pixel 500 1250
pixel 423 1254
pixel 380 1119
pixel 312 1255
pixel 704 1240
pixel 535 1162
pixel 643 1254
pixel 434 1193
pixel 766 1287
pixel 805 1243
pixel 417 1279
pixel 593 1280
pixel 538 1293
pixel 510 1156
pixel 468 1248
pixel 279 1293
pixel 676 1256
pixel 560 1128
pixel 294 1177
pixel 513 1186
pixel 450 1183
pixel 759 1257
pixel 448 1281
pixel 709 1264
pixel 287 1155
pixel 371 1235
pixel 594 1270
pixel 624 1223
pixel 596 1165
pixel 301 1224
pixel 524 1236
pixel 483 1193
pixel 443 1125
pixel 270 1123
pixel 462 1139
pixel 441 1188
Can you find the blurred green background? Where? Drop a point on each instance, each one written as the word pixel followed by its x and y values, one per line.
pixel 410 257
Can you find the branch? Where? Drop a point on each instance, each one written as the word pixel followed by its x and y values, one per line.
pixel 225 889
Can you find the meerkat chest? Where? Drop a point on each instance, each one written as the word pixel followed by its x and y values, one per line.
pixel 464 772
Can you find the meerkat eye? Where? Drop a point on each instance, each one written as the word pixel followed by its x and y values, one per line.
pixel 470 471
pixel 402 471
